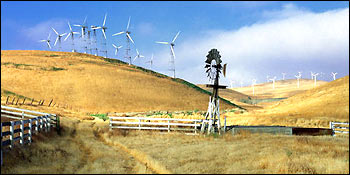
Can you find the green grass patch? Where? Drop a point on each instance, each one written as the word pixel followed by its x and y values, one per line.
pixel 16 65
pixel 101 116
pixel 52 55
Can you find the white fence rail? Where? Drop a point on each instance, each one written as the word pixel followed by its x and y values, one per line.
pixel 168 124
pixel 339 127
pixel 26 124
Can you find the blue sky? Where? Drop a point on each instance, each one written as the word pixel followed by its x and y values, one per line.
pixel 256 39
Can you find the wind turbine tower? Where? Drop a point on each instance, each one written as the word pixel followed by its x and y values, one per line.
pixel 334 75
pixel 150 61
pixel 172 53
pixel 253 84
pixel 128 39
pixel 71 33
pixel 48 41
pixel 83 31
pixel 314 75
pixel 104 38
pixel 59 36
pixel 273 82
pixel 94 40
pixel 298 77
pixel 283 75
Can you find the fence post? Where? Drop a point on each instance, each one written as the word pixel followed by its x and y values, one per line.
pixel 24 100
pixel 32 101
pixel 331 126
pixel 21 126
pixel 7 99
pixel 50 102
pixel 48 123
pixel 168 125
pixel 37 125
pixel 11 135
pixel 17 101
pixel 195 127
pixel 225 125
pixel 13 100
pixel 42 102
pixel 22 115
pixel 30 131
pixel 139 124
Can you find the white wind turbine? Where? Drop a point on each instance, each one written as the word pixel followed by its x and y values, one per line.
pixel 273 82
pixel 172 53
pixel 334 75
pixel 267 78
pixel 94 41
pixel 253 84
pixel 48 41
pixel 116 48
pixel 283 75
pixel 128 39
pixel 314 75
pixel 83 27
pixel 138 55
pixel 59 36
pixel 298 77
pixel 71 33
pixel 104 39
pixel 231 83
pixel 150 61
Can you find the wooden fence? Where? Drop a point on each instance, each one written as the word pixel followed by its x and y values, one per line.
pixel 339 127
pixel 168 124
pixel 26 124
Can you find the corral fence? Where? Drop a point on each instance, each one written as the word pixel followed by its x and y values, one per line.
pixel 339 127
pixel 147 123
pixel 24 124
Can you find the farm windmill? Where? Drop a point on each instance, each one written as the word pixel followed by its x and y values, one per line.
pixel 172 53
pixel 116 48
pixel 48 41
pixel 150 61
pixel 334 75
pixel 128 39
pixel 71 33
pixel 59 36
pixel 213 66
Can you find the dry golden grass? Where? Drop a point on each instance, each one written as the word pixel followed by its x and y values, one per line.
pixel 315 107
pixel 90 84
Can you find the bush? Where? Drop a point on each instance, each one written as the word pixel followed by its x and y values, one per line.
pixel 101 116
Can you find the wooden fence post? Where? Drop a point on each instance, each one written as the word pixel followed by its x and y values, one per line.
pixel 42 102
pixel 24 100
pixel 21 126
pixel 225 125
pixel 168 125
pixel 13 100
pixel 30 131
pixel 7 99
pixel 39 102
pixel 17 101
pixel 11 134
pixel 32 101
pixel 36 125
pixel 48 122
pixel 139 124
pixel 50 102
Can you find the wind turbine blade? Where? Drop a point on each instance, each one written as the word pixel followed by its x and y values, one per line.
pixel 54 30
pixel 56 41
pixel 120 47
pixel 118 33
pixel 69 26
pixel 176 36
pixel 94 28
pixel 66 37
pixel 141 56
pixel 42 40
pixel 76 33
pixel 104 21
pixel 85 20
pixel 48 44
pixel 172 51
pixel 127 27
pixel 104 34
pixel 49 35
pixel 77 25
pixel 116 51
pixel 130 38
pixel 162 42
pixel 114 46
pixel 135 58
pixel 63 34
pixel 137 52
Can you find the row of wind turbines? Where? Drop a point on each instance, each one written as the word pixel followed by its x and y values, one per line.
pixel 298 76
pixel 90 46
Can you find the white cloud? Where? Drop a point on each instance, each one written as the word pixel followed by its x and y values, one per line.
pixel 295 40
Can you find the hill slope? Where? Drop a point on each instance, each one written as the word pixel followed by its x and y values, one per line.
pixel 93 83
pixel 315 107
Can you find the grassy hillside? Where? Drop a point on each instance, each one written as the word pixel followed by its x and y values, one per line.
pixel 315 107
pixel 92 83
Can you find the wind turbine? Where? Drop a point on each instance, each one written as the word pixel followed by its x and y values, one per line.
pixel 71 33
pixel 94 28
pixel 116 48
pixel 314 75
pixel 138 55
pixel 83 31
pixel 231 83
pixel 150 61
pixel 59 36
pixel 172 53
pixel 48 41
pixel 298 77
pixel 253 83
pixel 103 29
pixel 334 75
pixel 267 78
pixel 283 75
pixel 273 82
pixel 128 39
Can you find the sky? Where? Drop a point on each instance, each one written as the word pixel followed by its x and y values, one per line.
pixel 255 38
